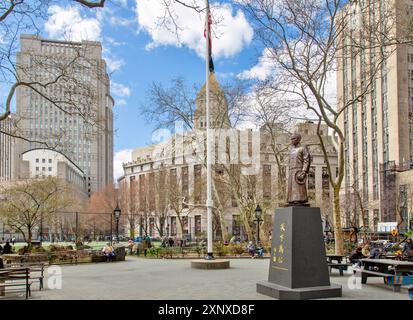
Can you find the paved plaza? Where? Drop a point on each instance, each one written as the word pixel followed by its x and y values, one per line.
pixel 139 278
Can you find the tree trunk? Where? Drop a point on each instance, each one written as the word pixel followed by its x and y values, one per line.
pixel 29 237
pixel 224 232
pixel 132 228
pixel 338 234
pixel 247 226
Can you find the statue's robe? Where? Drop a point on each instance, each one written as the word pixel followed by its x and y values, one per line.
pixel 299 161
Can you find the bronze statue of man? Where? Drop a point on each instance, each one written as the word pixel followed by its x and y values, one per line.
pixel 299 165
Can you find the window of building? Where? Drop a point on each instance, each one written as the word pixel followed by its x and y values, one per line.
pixel 173 226
pixel 266 181
pixel 198 183
pixel 43 160
pixel 325 182
pixel 185 183
pixel 50 168
pixel 311 184
pixel 37 168
pixel 375 218
pixel 198 225
pixel 50 160
pixel 185 225
pixel 37 160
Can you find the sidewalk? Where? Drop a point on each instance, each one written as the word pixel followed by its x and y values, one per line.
pixel 174 279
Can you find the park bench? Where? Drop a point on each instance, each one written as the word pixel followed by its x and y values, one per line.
pixel 15 279
pixel 337 262
pixel 340 266
pixel 36 271
pixel 394 273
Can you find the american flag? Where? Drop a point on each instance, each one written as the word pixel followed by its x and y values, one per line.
pixel 207 30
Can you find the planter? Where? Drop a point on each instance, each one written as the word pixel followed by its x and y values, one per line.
pixel 15 258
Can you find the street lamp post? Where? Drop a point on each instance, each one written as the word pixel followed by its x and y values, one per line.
pixel 258 214
pixel 117 212
pixel 41 228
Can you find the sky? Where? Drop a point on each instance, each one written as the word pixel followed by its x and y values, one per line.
pixel 139 51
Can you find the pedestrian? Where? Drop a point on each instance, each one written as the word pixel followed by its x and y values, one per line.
pixel 13 240
pixel 130 246
pixel 7 248
pixel 171 242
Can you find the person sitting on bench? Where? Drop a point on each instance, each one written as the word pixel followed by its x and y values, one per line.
pixel 356 256
pixel 109 252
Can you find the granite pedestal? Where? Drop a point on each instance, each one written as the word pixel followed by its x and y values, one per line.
pixel 298 266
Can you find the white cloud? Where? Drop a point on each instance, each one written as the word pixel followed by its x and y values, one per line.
pixel 122 156
pixel 231 33
pixel 119 89
pixel 121 102
pixel 66 23
pixel 112 42
pixel 114 64
pixel 262 70
pixel 122 3
pixel 266 69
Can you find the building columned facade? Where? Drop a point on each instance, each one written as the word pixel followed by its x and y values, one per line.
pixel 166 182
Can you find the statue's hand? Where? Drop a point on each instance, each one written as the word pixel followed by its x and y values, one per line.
pixel 301 176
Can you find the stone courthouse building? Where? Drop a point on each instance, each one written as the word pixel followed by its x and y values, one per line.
pixel 166 182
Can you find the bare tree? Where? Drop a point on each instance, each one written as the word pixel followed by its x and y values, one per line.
pixel 99 210
pixel 304 41
pixel 128 204
pixel 34 201
pixel 273 111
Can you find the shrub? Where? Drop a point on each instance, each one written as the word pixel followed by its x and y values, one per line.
pixel 38 250
pixel 55 248
pixel 236 249
pixel 220 249
pixel 23 250
pixel 199 250
pixel 154 252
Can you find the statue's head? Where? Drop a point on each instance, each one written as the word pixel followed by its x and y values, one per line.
pixel 295 139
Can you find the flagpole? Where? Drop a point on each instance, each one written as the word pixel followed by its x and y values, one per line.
pixel 209 203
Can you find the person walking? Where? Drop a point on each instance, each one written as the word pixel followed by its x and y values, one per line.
pixel 7 248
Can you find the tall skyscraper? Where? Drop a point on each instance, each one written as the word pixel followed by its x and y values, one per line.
pixel 69 107
pixel 378 126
